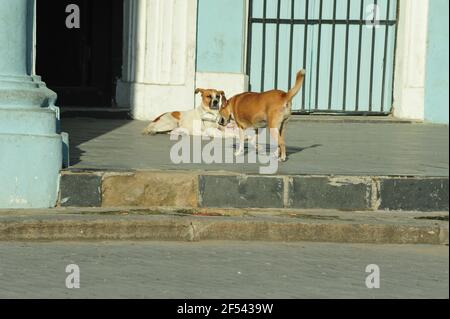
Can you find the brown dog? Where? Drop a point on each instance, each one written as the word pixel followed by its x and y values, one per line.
pixel 271 109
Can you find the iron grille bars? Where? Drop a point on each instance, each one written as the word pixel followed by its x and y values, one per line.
pixel 355 81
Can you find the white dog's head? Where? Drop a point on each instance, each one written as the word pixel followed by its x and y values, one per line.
pixel 211 98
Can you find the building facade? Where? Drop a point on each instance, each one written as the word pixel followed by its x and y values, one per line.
pixel 362 57
pixel 392 67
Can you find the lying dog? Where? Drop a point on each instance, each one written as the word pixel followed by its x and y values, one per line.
pixel 270 109
pixel 207 114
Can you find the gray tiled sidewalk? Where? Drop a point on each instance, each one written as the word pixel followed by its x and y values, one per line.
pixel 314 147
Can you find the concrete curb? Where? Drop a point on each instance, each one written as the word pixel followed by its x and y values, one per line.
pixel 245 225
pixel 219 189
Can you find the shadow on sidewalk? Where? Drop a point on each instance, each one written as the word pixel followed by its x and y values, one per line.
pixel 82 130
pixel 290 150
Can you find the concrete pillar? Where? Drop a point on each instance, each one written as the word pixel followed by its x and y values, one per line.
pixel 159 57
pixel 30 148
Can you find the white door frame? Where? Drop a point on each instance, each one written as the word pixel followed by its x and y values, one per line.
pixel 410 60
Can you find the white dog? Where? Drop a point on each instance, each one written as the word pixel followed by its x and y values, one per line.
pixel 207 115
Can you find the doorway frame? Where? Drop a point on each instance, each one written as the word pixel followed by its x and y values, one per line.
pixel 33 61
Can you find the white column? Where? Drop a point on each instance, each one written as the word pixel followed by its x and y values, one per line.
pixel 159 57
pixel 409 81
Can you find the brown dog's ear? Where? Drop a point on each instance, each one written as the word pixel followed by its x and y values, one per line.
pixel 222 94
pixel 224 98
pixel 199 91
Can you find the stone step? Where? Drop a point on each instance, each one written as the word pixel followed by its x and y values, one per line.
pixel 195 224
pixel 227 190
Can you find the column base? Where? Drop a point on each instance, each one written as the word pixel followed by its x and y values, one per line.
pixel 148 101
pixel 30 146
pixel 29 174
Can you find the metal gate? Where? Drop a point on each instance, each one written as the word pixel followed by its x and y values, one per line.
pixel 346 46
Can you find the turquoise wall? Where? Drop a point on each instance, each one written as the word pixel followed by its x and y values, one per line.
pixel 220 37
pixel 436 86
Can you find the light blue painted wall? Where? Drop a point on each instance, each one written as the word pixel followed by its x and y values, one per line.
pixel 436 86
pixel 220 37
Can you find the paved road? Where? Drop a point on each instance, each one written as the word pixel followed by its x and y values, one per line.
pixel 222 270
pixel 313 148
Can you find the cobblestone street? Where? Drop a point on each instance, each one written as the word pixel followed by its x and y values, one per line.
pixel 222 270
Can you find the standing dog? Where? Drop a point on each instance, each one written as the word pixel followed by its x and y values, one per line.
pixel 207 114
pixel 271 109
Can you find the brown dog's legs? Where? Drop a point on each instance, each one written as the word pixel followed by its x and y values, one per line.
pixel 255 141
pixel 241 142
pixel 282 141
pixel 275 133
pixel 275 125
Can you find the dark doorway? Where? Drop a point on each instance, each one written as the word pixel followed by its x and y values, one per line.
pixel 80 65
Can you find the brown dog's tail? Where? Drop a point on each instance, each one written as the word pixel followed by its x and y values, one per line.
pixel 298 85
